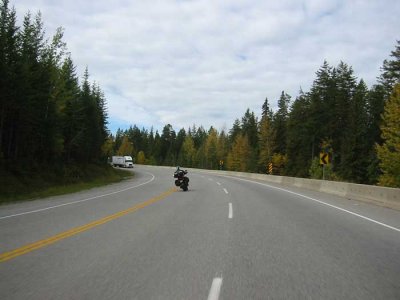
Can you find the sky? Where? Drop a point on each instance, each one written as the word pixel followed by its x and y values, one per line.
pixel 204 62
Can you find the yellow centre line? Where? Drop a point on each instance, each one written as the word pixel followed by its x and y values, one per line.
pixel 63 235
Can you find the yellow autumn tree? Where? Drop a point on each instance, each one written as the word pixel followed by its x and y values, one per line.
pixel 141 158
pixel 126 147
pixel 389 151
pixel 107 147
pixel 279 161
pixel 188 151
pixel 238 157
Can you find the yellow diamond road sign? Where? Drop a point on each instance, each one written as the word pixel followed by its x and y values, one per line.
pixel 323 158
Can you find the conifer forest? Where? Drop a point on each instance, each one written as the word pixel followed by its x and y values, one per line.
pixel 50 116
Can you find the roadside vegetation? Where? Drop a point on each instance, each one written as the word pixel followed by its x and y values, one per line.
pixel 52 125
pixel 21 185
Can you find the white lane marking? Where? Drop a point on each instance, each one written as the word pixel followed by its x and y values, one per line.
pixel 215 289
pixel 230 211
pixel 218 183
pixel 319 201
pixel 210 179
pixel 78 201
pixel 226 191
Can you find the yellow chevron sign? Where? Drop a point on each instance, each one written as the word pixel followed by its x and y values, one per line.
pixel 324 158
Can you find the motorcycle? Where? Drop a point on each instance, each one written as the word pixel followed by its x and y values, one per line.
pixel 181 179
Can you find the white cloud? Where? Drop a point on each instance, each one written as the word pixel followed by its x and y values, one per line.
pixel 205 62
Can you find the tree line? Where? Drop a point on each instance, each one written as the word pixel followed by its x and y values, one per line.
pixel 339 116
pixel 46 116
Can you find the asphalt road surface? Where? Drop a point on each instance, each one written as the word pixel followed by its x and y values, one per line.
pixel 225 238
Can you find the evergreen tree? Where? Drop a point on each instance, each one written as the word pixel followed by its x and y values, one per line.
pixel 300 137
pixel 9 83
pixel 280 123
pixel 391 71
pixel 180 138
pixel 355 147
pixel 266 137
pixel 266 143
pixel 118 139
pixel 199 136
pixel 101 109
pixel 157 150
pixel 53 59
pixel 38 129
pixel 150 143
pixel 46 119
pixel 88 146
pixel 345 87
pixel 168 137
pixel 211 149
pixel 266 111
pixel 71 111
pixel 249 128
pixel 222 148
pixel 235 131
pixel 135 135
pixel 322 101
pixel 145 137
pixel 375 107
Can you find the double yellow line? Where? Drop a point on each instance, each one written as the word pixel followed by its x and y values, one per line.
pixel 63 235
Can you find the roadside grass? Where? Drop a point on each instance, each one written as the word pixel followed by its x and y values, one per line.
pixel 20 186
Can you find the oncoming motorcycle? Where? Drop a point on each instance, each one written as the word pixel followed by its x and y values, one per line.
pixel 181 179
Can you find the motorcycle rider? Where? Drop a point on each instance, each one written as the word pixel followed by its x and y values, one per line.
pixel 178 170
pixel 182 180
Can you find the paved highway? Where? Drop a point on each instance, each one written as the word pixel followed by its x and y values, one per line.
pixel 226 238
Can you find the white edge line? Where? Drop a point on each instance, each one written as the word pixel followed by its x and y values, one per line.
pixel 215 289
pixel 319 201
pixel 226 191
pixel 78 201
pixel 230 211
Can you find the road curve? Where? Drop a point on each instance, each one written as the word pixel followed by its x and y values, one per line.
pixel 226 238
